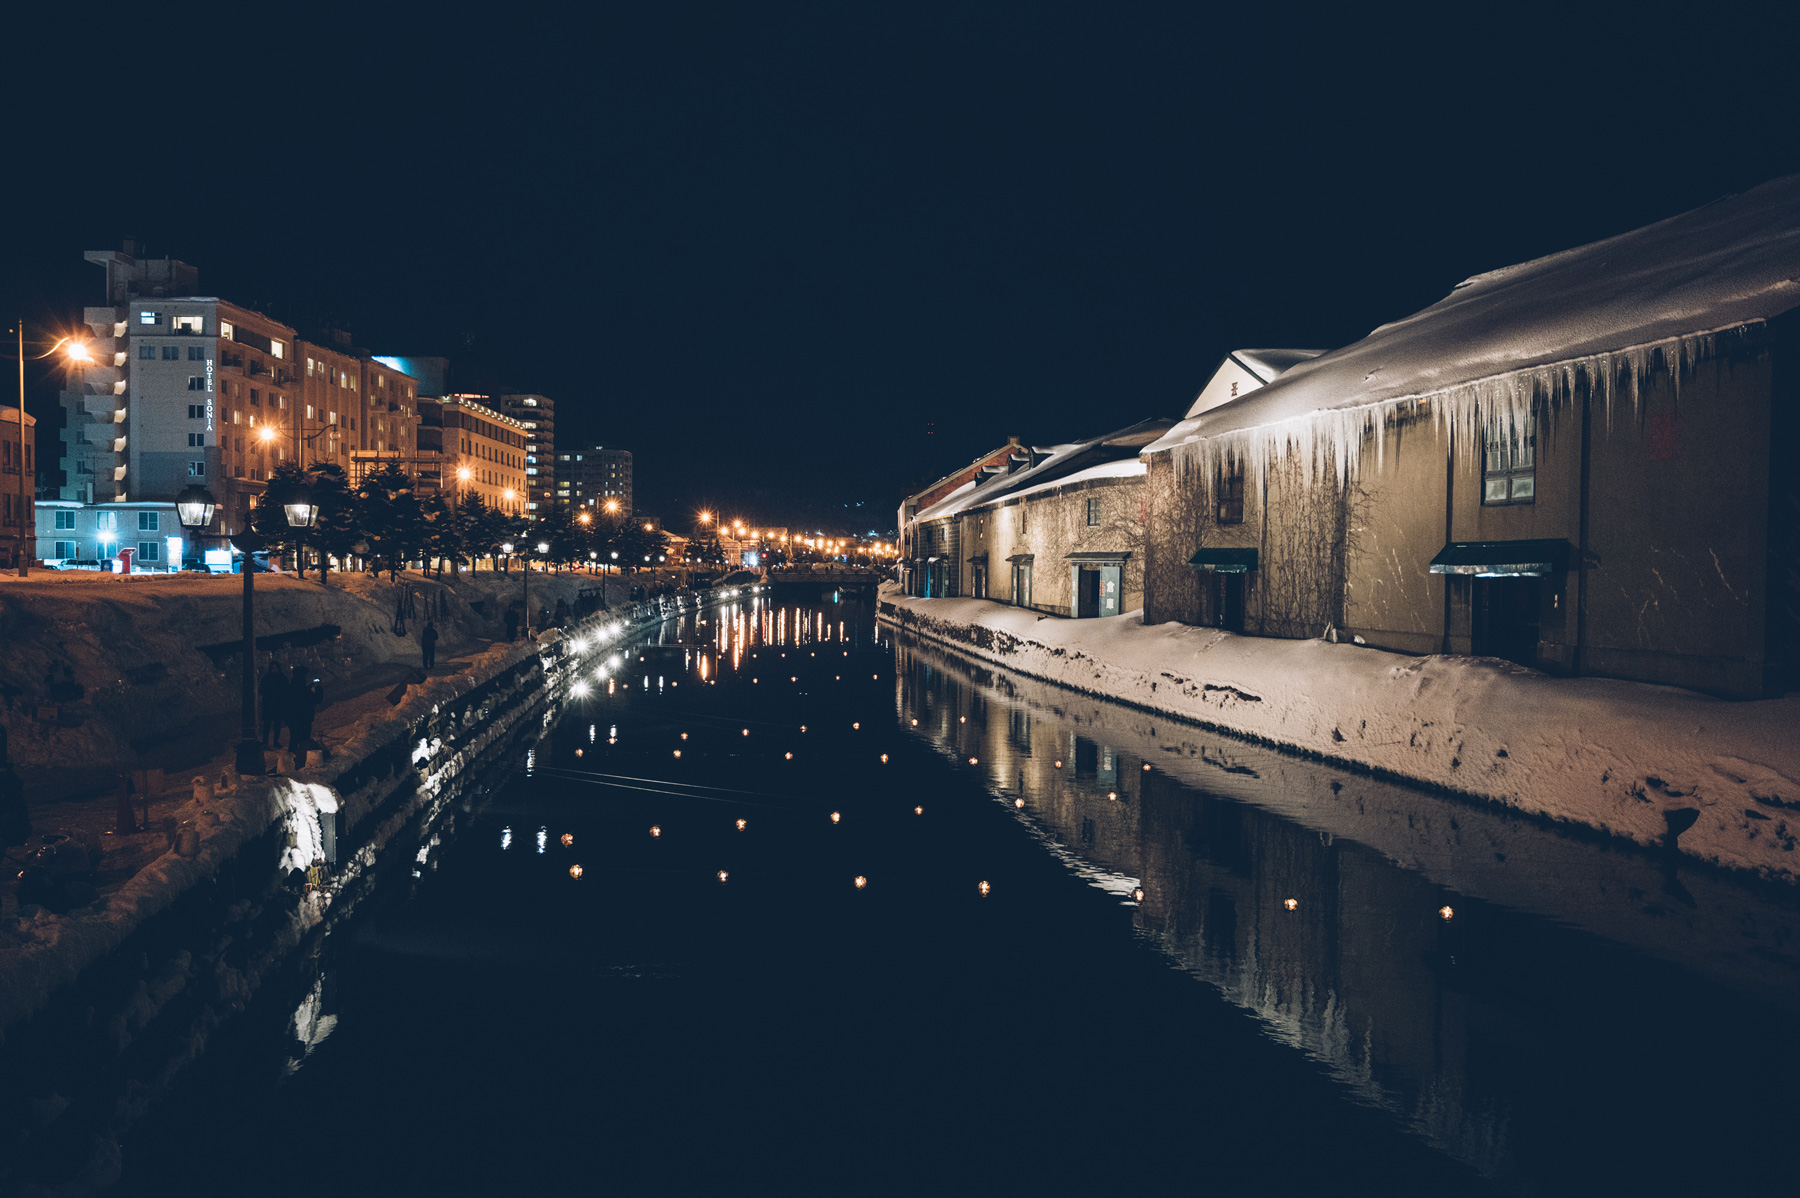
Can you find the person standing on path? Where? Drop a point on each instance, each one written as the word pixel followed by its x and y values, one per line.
pixel 303 705
pixel 428 638
pixel 274 692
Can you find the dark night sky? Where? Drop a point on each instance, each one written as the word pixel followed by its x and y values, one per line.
pixel 796 259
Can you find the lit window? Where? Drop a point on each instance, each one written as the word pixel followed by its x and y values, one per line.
pixel 309 368
pixel 227 330
pixel 276 348
pixel 1509 467
pixel 149 318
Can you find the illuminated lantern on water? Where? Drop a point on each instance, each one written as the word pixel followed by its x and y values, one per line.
pixel 861 881
pixel 985 889
pixel 1019 803
pixel 742 824
pixel 918 811
pixel 835 817
pixel 884 759
pixel 723 874
pixel 974 761
pixel 677 752
pixel 1059 764
pixel 1146 767
pixel 577 752
pixel 655 830
pixel 1112 796
pixel 574 871
pixel 855 727
pixel 568 838
pixel 803 727
pixel 962 719
pixel 915 723
pixel 684 736
pixel 1290 904
pixel 790 756
pixel 746 732
pixel 1446 912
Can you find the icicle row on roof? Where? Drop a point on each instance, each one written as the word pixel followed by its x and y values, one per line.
pixel 1499 408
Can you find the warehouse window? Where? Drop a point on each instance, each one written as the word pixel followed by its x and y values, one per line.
pixel 1509 468
pixel 1231 493
pixel 1093 512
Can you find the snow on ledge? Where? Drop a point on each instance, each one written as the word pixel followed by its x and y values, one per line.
pixel 1606 754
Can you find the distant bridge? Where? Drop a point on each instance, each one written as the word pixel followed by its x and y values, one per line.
pixel 837 580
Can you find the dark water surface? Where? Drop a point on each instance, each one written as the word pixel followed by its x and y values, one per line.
pixel 1330 984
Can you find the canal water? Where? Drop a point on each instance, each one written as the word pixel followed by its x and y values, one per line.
pixel 789 903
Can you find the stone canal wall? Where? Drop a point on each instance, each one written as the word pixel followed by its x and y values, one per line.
pixel 102 1007
pixel 1628 759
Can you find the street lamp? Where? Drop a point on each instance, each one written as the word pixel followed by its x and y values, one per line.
pixel 296 505
pixel 194 507
pixel 77 352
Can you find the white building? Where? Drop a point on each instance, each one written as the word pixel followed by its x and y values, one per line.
pixel 73 533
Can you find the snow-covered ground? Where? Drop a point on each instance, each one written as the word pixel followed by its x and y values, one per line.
pixel 1616 756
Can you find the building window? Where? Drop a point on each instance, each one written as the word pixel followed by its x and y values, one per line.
pixel 66 549
pixel 146 353
pixel 1093 512
pixel 277 349
pixel 196 440
pixel 149 521
pixel 196 411
pixel 196 353
pixel 1509 468
pixel 196 382
pixel 1231 493
pixel 171 353
pixel 149 318
pixel 65 520
pixel 227 331
pixel 149 551
pixel 256 397
pixel 187 324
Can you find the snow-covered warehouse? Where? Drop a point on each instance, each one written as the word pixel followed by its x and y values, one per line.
pixel 1061 534
pixel 1584 463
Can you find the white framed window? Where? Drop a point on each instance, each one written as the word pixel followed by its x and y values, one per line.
pixel 106 521
pixel 227 330
pixel 187 324
pixel 67 549
pixel 1509 468
pixel 65 520
pixel 277 349
pixel 149 521
pixel 149 318
pixel 149 551
pixel 196 440
pixel 309 368
pixel 197 469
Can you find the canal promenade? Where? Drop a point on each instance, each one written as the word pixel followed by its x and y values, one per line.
pixel 1631 760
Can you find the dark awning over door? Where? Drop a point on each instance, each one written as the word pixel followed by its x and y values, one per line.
pixel 1020 557
pixel 1225 561
pixel 979 557
pixel 1099 558
pixel 1499 559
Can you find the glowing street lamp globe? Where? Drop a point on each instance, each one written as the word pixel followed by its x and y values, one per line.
pixel 296 501
pixel 543 546
pixel 195 506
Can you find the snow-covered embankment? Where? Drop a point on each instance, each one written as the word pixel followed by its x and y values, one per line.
pixel 1626 758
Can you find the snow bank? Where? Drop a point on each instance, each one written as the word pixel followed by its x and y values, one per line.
pixel 1620 757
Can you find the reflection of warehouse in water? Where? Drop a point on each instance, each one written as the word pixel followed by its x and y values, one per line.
pixel 1451 1024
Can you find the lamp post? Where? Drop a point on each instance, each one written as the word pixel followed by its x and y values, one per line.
pixel 77 352
pixel 298 509
pixel 194 507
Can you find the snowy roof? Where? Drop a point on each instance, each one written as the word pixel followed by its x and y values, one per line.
pixel 1063 460
pixel 1265 364
pixel 1731 262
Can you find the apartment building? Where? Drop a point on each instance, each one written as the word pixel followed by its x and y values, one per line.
pixel 536 414
pixel 17 469
pixel 591 477
pixel 481 450
pixel 183 388
pixel 352 408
